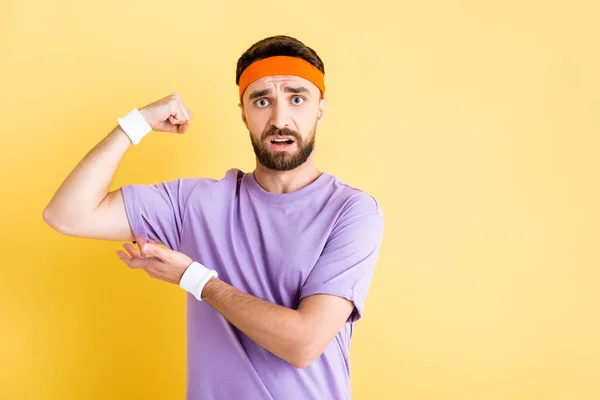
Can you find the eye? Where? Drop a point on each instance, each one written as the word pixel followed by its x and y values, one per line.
pixel 297 100
pixel 261 102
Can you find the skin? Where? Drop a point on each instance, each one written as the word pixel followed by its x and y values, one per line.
pixel 281 110
pixel 300 335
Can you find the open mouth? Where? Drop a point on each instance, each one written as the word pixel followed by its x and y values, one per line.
pixel 281 144
pixel 282 141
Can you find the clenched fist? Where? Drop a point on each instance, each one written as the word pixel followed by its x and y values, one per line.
pixel 169 114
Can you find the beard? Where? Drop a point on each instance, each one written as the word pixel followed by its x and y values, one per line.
pixel 283 160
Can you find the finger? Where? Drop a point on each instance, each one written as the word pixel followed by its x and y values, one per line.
pixel 176 117
pixel 124 257
pixel 140 242
pixel 152 250
pixel 148 250
pixel 138 263
pixel 184 114
pixel 182 128
pixel 144 248
pixel 133 252
pixel 133 263
pixel 188 111
pixel 143 243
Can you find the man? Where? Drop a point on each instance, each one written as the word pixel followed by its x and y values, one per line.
pixel 277 262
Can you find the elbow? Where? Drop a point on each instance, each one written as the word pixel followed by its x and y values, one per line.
pixel 304 355
pixel 53 221
pixel 49 218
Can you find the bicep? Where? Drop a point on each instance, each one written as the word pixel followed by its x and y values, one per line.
pixel 108 221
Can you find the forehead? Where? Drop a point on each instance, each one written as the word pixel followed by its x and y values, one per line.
pixel 277 82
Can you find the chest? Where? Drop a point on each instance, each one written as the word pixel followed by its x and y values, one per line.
pixel 268 252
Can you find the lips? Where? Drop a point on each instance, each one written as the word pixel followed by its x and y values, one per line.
pixel 280 146
pixel 281 139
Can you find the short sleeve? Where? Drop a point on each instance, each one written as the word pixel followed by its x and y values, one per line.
pixel 156 211
pixel 346 266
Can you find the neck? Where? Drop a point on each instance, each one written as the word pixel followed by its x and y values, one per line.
pixel 279 182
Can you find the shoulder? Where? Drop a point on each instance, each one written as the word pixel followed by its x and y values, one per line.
pixel 231 176
pixel 359 220
pixel 354 201
pixel 204 186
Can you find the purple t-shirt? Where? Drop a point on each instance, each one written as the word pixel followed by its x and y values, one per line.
pixel 322 238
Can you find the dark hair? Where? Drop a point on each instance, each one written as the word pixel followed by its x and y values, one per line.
pixel 279 45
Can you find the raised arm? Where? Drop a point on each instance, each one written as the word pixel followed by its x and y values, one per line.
pixel 82 206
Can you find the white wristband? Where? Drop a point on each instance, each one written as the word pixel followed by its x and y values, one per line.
pixel 195 277
pixel 134 125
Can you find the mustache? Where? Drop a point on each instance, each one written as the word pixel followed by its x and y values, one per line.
pixel 274 131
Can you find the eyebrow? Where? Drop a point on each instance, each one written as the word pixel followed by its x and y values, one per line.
pixel 287 89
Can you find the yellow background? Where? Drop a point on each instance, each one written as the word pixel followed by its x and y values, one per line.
pixel 474 123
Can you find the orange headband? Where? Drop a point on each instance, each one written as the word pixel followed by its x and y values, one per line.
pixel 281 65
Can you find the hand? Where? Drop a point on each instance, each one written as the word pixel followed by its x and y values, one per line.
pixel 168 114
pixel 165 264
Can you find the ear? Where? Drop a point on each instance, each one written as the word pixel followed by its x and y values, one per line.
pixel 322 103
pixel 241 106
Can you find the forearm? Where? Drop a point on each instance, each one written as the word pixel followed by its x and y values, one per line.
pixel 87 185
pixel 279 329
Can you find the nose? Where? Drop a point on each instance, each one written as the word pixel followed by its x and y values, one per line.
pixel 280 115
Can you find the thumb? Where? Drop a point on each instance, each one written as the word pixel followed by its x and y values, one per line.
pixel 152 250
